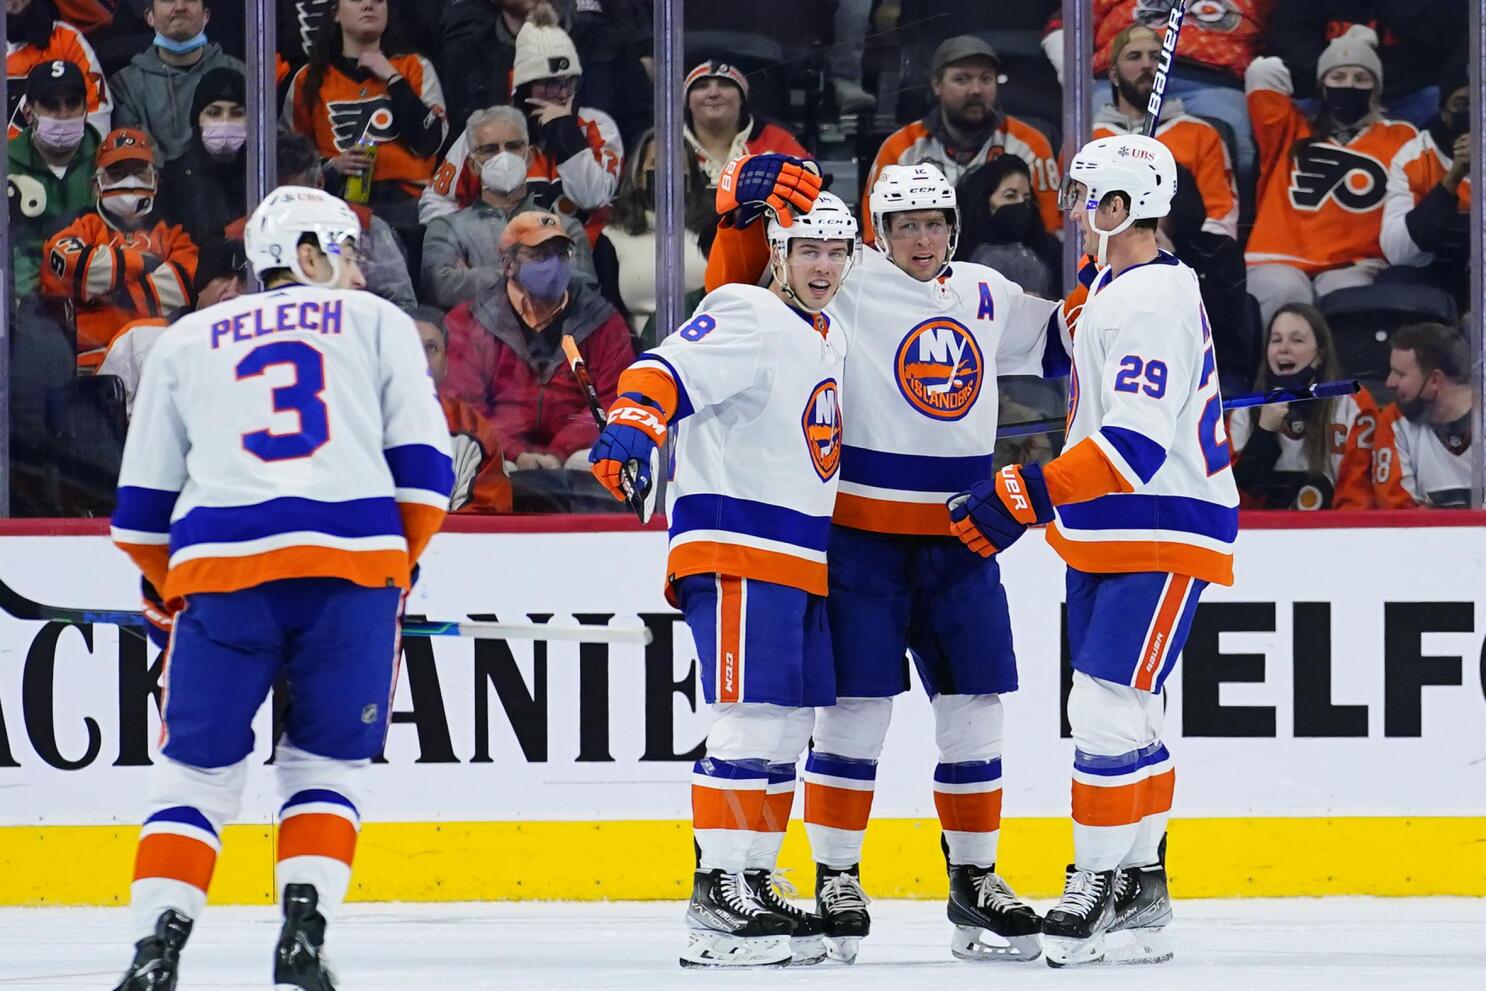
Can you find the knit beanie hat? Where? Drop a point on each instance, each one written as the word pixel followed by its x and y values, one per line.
pixel 543 50
pixel 1358 46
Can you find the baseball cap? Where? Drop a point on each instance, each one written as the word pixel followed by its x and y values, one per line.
pixel 533 228
pixel 56 76
pixel 125 144
pixel 716 69
pixel 961 47
pixel 1129 34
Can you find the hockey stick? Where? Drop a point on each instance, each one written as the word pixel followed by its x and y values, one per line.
pixel 20 607
pixel 1321 390
pixel 642 503
pixel 1169 41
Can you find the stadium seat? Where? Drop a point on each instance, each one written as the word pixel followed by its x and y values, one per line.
pixel 1362 319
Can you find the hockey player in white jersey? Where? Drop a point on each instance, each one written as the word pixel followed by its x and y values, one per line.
pixel 929 341
pixel 751 386
pixel 1142 506
pixel 286 464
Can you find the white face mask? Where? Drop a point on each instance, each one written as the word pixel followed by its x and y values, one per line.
pixel 223 139
pixel 127 200
pixel 504 173
pixel 59 135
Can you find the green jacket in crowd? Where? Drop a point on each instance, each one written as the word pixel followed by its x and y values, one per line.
pixel 42 203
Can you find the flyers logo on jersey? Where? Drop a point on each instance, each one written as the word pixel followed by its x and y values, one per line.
pixel 350 120
pixel 939 368
pixel 1322 172
pixel 822 425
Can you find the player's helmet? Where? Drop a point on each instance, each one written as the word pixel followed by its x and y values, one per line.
pixel 288 215
pixel 912 187
pixel 828 220
pixel 1140 167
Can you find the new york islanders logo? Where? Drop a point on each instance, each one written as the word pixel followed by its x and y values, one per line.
pixel 350 119
pixel 939 368
pixel 821 423
pixel 1322 172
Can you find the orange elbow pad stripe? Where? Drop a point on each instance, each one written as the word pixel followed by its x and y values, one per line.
pixel 1082 473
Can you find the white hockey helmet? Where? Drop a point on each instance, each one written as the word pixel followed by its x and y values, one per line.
pixel 1140 167
pixel 829 219
pixel 900 188
pixel 288 215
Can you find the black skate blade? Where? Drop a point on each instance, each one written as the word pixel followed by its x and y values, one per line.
pixel 697 965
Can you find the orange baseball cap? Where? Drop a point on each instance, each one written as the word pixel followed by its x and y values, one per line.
pixel 125 145
pixel 533 228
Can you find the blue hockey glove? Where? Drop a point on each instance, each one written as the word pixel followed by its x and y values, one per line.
pixel 755 183
pixel 995 513
pixel 627 451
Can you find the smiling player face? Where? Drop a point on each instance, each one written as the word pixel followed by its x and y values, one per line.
pixel 816 268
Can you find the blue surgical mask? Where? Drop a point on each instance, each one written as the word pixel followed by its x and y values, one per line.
pixel 546 279
pixel 180 47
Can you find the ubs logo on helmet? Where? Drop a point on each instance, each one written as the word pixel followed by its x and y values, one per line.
pixel 821 423
pixel 939 368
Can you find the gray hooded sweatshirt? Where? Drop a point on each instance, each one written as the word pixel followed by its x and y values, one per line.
pixel 155 97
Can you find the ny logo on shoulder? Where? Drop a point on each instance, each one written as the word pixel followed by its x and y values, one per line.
pixel 1357 182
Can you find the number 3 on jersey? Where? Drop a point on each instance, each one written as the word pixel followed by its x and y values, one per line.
pixel 301 397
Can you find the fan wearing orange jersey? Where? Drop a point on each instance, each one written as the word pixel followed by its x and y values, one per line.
pixel 1322 181
pixel 967 129
pixel 36 38
pixel 1422 453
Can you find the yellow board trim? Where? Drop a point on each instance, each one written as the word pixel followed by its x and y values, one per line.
pixel 645 860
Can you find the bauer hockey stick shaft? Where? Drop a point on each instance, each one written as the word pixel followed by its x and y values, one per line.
pixel 633 498
pixel 1165 60
pixel 21 607
pixel 1321 390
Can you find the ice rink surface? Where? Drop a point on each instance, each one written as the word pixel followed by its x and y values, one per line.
pixel 1353 944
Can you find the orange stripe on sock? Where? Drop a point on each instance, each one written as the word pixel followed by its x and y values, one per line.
pixel 1120 806
pixel 727 808
pixel 176 858
pixel 776 811
pixel 1159 790
pixel 839 808
pixel 975 812
pixel 317 834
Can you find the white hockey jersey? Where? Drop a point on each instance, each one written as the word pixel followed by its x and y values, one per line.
pixel 1144 482
pixel 1413 466
pixel 758 438
pixel 292 433
pixel 922 403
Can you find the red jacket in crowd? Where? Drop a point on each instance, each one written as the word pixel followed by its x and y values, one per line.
pixel 520 381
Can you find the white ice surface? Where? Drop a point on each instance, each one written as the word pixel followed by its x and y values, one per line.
pixel 1352 944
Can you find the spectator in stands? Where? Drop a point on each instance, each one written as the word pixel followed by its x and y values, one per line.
pixel 379 251
pixel 1000 226
pixel 1322 180
pixel 1219 264
pixel 50 174
pixel 1217 44
pixel 1426 219
pixel 221 274
pixel 719 126
pixel 373 109
pixel 632 231
pixel 575 154
pixel 1421 453
pixel 1417 38
pixel 1194 143
pixel 967 129
pixel 36 36
pixel 153 92
pixel 206 188
pixel 505 354
pixel 479 40
pixel 461 252
pixel 1311 455
pixel 119 262
pixel 480 482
